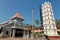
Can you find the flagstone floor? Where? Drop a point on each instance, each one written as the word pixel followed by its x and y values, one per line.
pixel 25 39
pixel 21 39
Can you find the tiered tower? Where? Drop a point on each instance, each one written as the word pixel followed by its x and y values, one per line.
pixel 48 19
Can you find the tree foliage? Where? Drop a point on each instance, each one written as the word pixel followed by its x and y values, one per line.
pixel 28 26
pixel 37 22
pixel 57 21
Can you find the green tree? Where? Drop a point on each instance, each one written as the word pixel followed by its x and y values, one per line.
pixel 57 21
pixel 28 26
pixel 37 22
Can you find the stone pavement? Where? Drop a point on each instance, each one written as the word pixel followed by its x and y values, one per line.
pixel 40 38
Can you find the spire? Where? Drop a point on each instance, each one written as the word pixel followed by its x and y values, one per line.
pixel 17 15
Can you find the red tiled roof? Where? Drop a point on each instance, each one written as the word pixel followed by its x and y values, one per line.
pixel 18 16
pixel 3 24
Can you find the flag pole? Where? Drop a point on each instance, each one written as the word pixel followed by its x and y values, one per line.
pixel 33 22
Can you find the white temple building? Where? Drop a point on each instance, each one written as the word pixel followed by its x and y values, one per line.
pixel 48 19
pixel 14 27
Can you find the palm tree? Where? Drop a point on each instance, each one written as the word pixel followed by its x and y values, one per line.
pixel 57 21
pixel 37 22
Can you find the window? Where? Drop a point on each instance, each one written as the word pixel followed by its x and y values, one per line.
pixel 48 5
pixel 45 9
pixel 46 13
pixel 26 32
pixel 0 31
pixel 18 31
pixel 42 11
pixel 49 22
pixel 50 27
pixel 6 32
pixel 48 17
pixel 49 13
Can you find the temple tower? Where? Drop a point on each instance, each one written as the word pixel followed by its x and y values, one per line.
pixel 48 19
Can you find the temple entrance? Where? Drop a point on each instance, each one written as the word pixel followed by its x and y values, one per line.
pixel 19 33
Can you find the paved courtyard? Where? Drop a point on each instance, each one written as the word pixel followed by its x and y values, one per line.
pixel 22 39
pixel 26 39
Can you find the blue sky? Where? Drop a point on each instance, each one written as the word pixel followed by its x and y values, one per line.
pixel 8 8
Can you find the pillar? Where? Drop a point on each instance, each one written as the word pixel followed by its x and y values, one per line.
pixel 24 34
pixel 3 32
pixel 32 37
pixel 10 33
pixel 13 35
pixel 27 34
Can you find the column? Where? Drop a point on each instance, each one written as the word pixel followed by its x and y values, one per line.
pixel 32 37
pixel 13 35
pixel 3 32
pixel 27 34
pixel 24 34
pixel 10 33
